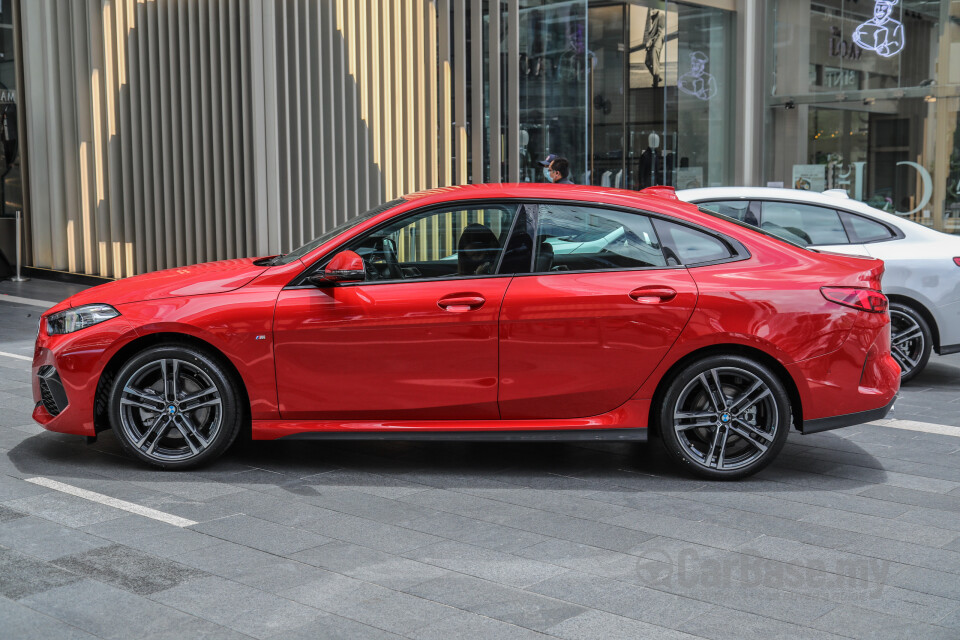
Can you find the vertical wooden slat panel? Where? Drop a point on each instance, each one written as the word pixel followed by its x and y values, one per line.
pixel 224 57
pixel 249 209
pixel 476 89
pixel 493 54
pixel 69 143
pixel 85 152
pixel 125 167
pixel 237 157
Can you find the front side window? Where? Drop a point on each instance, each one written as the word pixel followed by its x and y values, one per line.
pixel 581 238
pixel 439 243
pixel 803 224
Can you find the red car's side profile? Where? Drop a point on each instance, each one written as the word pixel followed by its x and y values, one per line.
pixel 484 312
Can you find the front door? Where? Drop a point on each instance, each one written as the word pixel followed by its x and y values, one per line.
pixel 416 340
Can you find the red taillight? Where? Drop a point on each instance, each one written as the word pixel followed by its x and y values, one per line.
pixel 863 299
pixel 957 261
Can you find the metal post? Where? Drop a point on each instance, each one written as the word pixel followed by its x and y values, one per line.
pixel 19 232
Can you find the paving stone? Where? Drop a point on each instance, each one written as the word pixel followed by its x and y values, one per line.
pixel 483 563
pixel 22 575
pixel 128 569
pixel 470 625
pixel 44 539
pixel 334 627
pixel 7 514
pixel 856 622
pixel 237 606
pixel 724 624
pixel 600 624
pixel 260 534
pixel 368 564
pixel 251 567
pixel 20 621
pixel 65 509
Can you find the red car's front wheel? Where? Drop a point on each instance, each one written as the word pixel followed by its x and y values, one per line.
pixel 174 407
pixel 725 417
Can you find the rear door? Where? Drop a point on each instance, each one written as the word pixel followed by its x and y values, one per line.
pixel 580 334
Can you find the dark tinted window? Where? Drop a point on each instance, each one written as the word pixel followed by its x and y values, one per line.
pixel 866 230
pixel 690 246
pixel 577 238
pixel 741 210
pixel 803 224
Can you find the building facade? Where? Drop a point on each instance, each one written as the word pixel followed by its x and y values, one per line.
pixel 148 134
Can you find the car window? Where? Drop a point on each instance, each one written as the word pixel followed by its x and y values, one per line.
pixel 439 243
pixel 742 210
pixel 578 238
pixel 685 245
pixel 803 224
pixel 866 230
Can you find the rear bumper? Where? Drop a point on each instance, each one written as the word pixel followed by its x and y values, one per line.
pixel 847 420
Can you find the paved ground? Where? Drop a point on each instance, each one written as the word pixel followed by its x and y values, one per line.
pixel 854 533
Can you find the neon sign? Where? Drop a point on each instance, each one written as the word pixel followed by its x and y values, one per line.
pixel 697 82
pixel 882 33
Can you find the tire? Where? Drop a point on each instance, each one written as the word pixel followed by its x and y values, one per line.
pixel 725 417
pixel 175 407
pixel 911 340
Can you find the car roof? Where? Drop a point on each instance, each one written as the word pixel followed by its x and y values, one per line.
pixel 834 199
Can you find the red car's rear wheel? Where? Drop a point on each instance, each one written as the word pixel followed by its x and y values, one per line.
pixel 725 417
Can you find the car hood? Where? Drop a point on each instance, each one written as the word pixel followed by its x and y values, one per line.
pixel 193 280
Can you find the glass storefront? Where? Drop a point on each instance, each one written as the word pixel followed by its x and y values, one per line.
pixel 863 96
pixel 633 94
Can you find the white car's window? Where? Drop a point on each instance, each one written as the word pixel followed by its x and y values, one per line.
pixel 803 224
pixel 578 238
pixel 867 230
pixel 736 209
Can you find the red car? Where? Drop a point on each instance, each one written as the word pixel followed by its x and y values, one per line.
pixel 486 312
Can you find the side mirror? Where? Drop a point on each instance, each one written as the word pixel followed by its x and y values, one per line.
pixel 346 266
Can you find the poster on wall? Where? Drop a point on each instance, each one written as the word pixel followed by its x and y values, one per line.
pixel 809 177
pixel 689 177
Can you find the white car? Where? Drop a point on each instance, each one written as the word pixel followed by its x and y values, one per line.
pixel 922 278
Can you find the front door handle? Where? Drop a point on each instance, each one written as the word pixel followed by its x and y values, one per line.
pixel 653 295
pixel 461 303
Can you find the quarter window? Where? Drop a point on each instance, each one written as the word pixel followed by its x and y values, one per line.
pixel 803 224
pixel 578 238
pixel 742 210
pixel 684 245
pixel 866 230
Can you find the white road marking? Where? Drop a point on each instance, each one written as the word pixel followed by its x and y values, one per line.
pixel 14 355
pixel 46 304
pixel 116 503
pixel 912 425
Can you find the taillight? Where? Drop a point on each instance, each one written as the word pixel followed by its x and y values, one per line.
pixel 957 261
pixel 863 299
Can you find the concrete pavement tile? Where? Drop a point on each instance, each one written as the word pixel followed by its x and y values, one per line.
pixel 22 575
pixel 128 569
pixel 385 486
pixel 106 611
pixel 65 509
pixel 856 622
pixel 694 532
pixel 324 592
pixel 369 565
pixel 376 535
pixel 334 627
pixel 254 568
pixel 925 580
pixel 915 497
pixel 260 534
pixel 628 600
pixel 44 539
pixel 582 557
pixel 463 624
pixel 7 514
pixel 130 528
pixel 600 624
pixel 173 543
pixel 490 565
pixel 476 532
pixel 23 623
pixel 726 624
pixel 237 606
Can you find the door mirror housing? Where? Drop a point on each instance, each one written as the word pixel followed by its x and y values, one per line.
pixel 346 266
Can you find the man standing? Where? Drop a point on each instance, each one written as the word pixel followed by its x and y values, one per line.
pixel 556 169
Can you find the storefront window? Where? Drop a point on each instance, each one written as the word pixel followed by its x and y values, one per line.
pixel 862 96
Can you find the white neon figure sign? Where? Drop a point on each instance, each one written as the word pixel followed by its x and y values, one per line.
pixel 697 82
pixel 881 33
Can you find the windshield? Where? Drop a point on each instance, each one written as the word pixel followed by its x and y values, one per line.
pixel 296 254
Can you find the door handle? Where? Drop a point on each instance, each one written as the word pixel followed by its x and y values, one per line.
pixel 461 303
pixel 653 295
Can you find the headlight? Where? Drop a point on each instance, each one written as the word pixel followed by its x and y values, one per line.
pixel 78 318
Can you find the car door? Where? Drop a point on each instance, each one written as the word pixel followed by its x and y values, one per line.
pixel 417 339
pixel 580 334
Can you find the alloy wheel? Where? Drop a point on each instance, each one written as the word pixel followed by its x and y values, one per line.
pixel 726 418
pixel 907 341
pixel 170 410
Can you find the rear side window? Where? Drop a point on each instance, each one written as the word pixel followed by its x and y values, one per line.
pixel 865 230
pixel 803 224
pixel 743 210
pixel 577 238
pixel 685 245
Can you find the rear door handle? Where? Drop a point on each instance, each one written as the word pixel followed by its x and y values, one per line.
pixel 461 303
pixel 653 295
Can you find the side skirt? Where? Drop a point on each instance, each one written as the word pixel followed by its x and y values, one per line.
pixel 538 435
